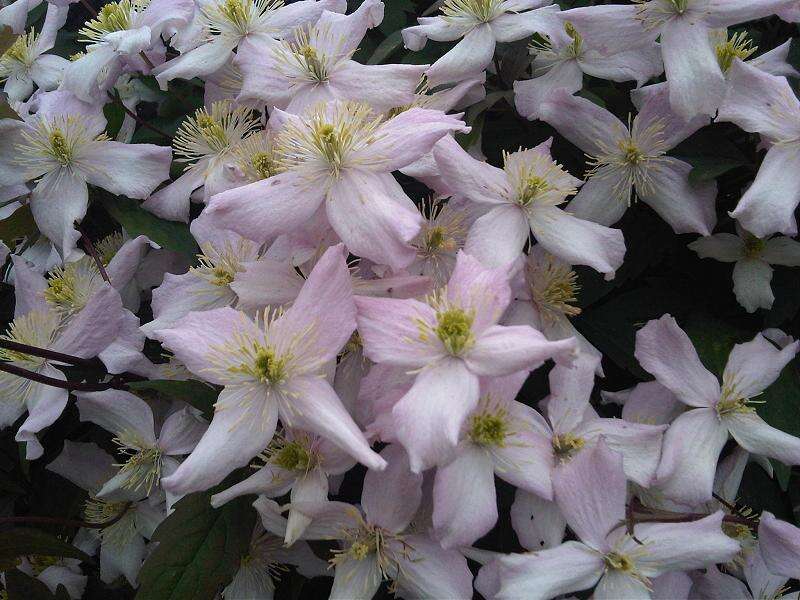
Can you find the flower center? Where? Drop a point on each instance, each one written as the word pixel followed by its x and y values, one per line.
pixel 98 511
pixel 20 53
pixel 108 247
pixel 478 10
pixel 631 153
pixel 143 465
pixel 69 288
pixel 737 46
pixel 536 179
pixel 454 329
pixel 680 6
pixel 237 18
pixel 214 133
pixel 489 429
pixel 618 562
pixel 35 328
pixel 753 246
pixel 554 286
pixel 263 164
pixel 566 445
pixel 114 16
pixel 293 456
pixel 575 48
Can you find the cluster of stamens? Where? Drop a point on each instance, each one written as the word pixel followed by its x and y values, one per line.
pixel 553 286
pixel 114 16
pixel 19 56
pixel 69 287
pixel 143 464
pixel 237 17
pixel 565 445
pixel 210 134
pixel 481 11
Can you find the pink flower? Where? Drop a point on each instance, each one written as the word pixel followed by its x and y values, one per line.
pixel 620 565
pixel 272 368
pixel 379 542
pixel 695 439
pixel 451 340
pixel 59 148
pixel 343 155
pixel 626 160
pixel 481 24
pixel 762 103
pixel 524 196
pixel 296 74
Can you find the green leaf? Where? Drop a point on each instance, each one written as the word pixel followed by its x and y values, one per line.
pixel 24 587
pixel 198 549
pixel 387 47
pixel 200 395
pixel 708 168
pixel 18 225
pixel 23 541
pixel 137 221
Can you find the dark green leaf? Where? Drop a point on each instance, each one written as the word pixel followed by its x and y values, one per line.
pixel 137 221
pixel 199 395
pixel 386 48
pixel 22 542
pixel 707 168
pixel 18 225
pixel 24 587
pixel 199 549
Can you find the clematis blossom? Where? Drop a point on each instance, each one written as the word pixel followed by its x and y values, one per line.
pixel 269 368
pixel 693 442
pixel 481 24
pixel 315 66
pixel 61 148
pixel 616 563
pixel 342 155
pixel 523 197
pixel 752 258
pixel 379 543
pixel 451 340
pixel 626 160
pixel 763 103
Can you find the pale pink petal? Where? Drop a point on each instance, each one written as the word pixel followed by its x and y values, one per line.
pixel 696 83
pixel 578 242
pixel 464 500
pixel 266 282
pixel 381 86
pixel 724 247
pixel 768 205
pixel 753 434
pixel 435 28
pixel 356 579
pixel 390 498
pixel 91 331
pixel 582 122
pixel 664 350
pixel 203 60
pixel 243 424
pixel 391 334
pixel 714 585
pixel 671 586
pixel 548 574
pixel 428 419
pixel 60 199
pixel 262 210
pixel 468 58
pixel 498 237
pixel 196 340
pixel 779 543
pixel 310 403
pixel 29 288
pixel 430 571
pixel 590 490
pixel 682 546
pixel 482 291
pixel 503 350
pixel 570 391
pixel 538 523
pixel 408 137
pixel 270 480
pixel 467 177
pixel 652 403
pixel 132 170
pixel 686 207
pixel 604 197
pixel 172 201
pixel 615 585
pixel 311 487
pixel 370 220
pixel 515 25
pixel 755 365
pixel 84 464
pixel 751 284
pixel 119 412
pixel 782 251
pixel 45 405
pixel 529 94
pixel 692 445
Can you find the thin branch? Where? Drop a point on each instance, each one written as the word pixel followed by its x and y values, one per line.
pixel 48 354
pixel 137 118
pixel 89 8
pixel 68 522
pixel 70 386
pixel 146 60
pixel 93 253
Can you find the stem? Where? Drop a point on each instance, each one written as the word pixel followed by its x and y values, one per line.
pixel 48 354
pixel 137 118
pixel 68 522
pixel 70 386
pixel 93 253
pixel 89 8
pixel 146 60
